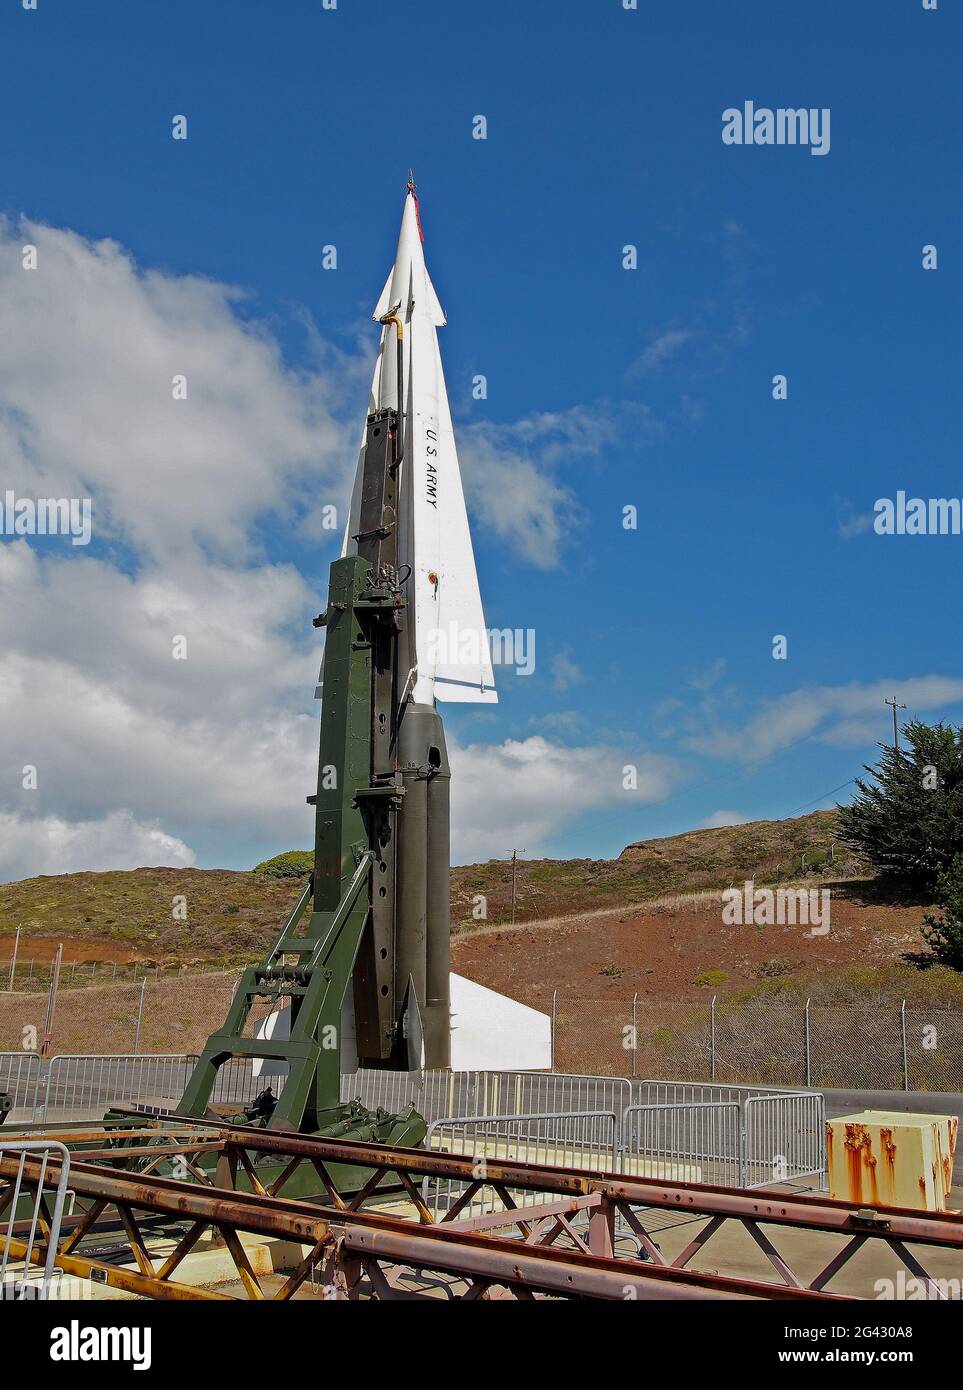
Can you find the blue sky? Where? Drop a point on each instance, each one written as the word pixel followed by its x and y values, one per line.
pixel 612 387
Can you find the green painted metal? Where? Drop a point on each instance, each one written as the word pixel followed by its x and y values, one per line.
pixel 311 963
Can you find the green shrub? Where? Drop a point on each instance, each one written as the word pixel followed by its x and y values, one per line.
pixel 295 863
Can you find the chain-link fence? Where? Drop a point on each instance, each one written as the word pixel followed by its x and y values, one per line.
pixel 886 1047
pixel 173 1013
pixel 623 1035
pixel 29 976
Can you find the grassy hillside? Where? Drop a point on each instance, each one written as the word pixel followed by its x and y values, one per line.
pixel 232 917
pixel 770 851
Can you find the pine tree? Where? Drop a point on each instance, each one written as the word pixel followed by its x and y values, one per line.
pixel 909 825
pixel 944 934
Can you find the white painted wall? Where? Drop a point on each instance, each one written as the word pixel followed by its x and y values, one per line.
pixel 489 1032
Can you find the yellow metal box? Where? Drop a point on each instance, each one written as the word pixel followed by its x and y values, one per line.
pixel 892 1158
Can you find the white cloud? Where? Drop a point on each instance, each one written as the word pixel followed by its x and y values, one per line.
pixel 521 792
pixel 848 715
pixel 852 526
pixel 509 472
pixel 89 349
pixel 565 671
pixel 662 347
pixel 719 819
pixel 218 745
pixel 51 845
pixel 710 675
pixel 141 758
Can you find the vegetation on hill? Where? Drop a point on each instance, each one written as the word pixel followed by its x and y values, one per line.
pixel 232 917
pixel 943 932
pixel 228 917
pixel 856 986
pixel 769 851
pixel 295 863
pixel 856 1030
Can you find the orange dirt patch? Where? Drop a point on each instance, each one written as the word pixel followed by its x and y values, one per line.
pixel 663 952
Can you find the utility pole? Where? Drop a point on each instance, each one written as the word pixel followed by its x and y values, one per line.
pixel 895 724
pixel 13 959
pixel 514 866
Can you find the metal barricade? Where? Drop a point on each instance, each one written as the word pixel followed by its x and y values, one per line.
pixel 669 1128
pixel 438 1095
pixel 784 1138
pixel 79 1087
pixel 527 1092
pixel 579 1139
pixel 33 1222
pixel 434 1094
pixel 696 1142
pixel 20 1079
pixel 782 1132
pixel 657 1092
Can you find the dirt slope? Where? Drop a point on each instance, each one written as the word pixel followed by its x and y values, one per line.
pixel 681 950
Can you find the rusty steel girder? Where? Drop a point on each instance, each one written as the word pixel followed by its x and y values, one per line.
pixel 333 1237
pixel 527 1241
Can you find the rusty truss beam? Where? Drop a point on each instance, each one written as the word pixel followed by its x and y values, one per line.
pixel 543 1230
pixel 346 1248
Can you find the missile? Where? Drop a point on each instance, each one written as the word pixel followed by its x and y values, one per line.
pixel 448 648
pixel 404 629
pixel 442 653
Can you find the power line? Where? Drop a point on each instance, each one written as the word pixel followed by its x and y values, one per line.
pixel 817 799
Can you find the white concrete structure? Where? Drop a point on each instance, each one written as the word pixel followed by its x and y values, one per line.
pixel 489 1032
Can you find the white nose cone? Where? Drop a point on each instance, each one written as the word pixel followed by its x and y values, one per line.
pixel 452 660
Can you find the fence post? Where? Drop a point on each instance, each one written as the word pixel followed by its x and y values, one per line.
pixel 140 1014
pixel 902 1020
pixel 712 1043
pixel 809 1060
pixel 635 1034
pixel 554 1016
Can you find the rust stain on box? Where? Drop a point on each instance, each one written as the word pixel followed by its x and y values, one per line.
pixel 892 1158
